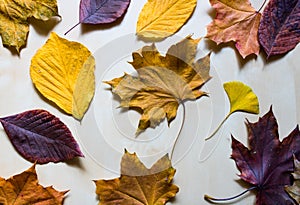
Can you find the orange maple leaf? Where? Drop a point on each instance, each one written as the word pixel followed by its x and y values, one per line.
pixel 24 189
pixel 235 21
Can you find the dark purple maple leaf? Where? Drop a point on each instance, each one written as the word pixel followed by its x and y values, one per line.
pixel 40 137
pixel 279 30
pixel 268 163
pixel 101 11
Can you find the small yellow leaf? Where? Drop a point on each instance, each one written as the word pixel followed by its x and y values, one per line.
pixel 162 18
pixel 63 72
pixel 139 185
pixel 241 97
pixel 14 17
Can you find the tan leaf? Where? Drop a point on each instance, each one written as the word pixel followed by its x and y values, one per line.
pixel 163 82
pixel 162 18
pixel 294 190
pixel 14 15
pixel 137 184
pixel 63 71
pixel 24 189
pixel 235 21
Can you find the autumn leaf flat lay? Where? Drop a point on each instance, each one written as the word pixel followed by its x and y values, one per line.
pixel 62 80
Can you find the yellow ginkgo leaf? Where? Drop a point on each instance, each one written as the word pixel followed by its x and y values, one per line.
pixel 241 98
pixel 162 18
pixel 63 72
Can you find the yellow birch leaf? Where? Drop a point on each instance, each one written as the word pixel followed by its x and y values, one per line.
pixel 63 72
pixel 162 18
pixel 294 190
pixel 24 189
pixel 14 15
pixel 139 185
pixel 241 97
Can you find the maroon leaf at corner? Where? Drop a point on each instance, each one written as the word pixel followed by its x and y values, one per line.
pixel 101 11
pixel 268 163
pixel 279 30
pixel 40 137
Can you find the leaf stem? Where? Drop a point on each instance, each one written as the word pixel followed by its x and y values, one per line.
pixel 265 1
pixel 211 199
pixel 220 125
pixel 72 28
pixel 181 127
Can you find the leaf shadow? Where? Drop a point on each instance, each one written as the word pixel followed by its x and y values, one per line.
pixel 87 28
pixel 242 62
pixel 271 59
pixel 76 162
pixel 14 51
pixel 44 27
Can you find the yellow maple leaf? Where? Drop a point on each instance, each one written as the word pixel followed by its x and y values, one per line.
pixel 163 82
pixel 159 19
pixel 235 21
pixel 24 189
pixel 63 72
pixel 139 185
pixel 14 15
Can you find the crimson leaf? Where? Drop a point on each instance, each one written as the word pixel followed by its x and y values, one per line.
pixel 268 163
pixel 279 30
pixel 101 11
pixel 40 137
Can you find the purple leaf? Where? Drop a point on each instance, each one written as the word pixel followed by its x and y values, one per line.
pixel 279 30
pixel 40 137
pixel 268 162
pixel 101 11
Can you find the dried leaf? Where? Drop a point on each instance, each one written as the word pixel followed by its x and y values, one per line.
pixel 63 72
pixel 163 82
pixel 139 185
pixel 294 191
pixel 241 98
pixel 279 29
pixel 40 137
pixel 24 189
pixel 160 19
pixel 268 163
pixel 14 15
pixel 235 21
pixel 101 11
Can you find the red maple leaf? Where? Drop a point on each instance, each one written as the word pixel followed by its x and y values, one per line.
pixel 268 163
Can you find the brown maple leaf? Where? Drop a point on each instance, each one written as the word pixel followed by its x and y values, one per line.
pixel 163 82
pixel 138 185
pixel 24 189
pixel 235 21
